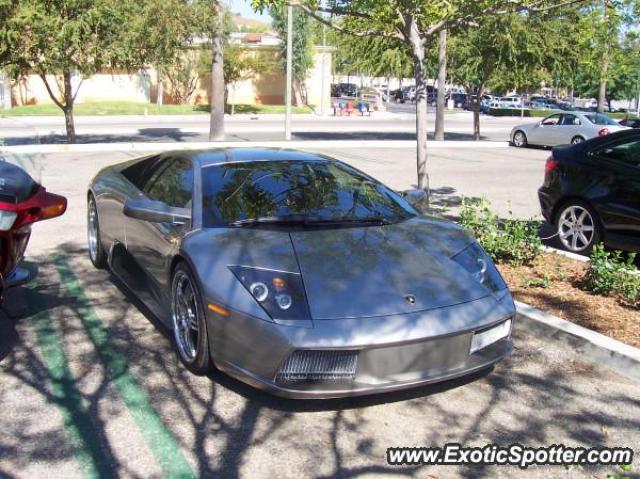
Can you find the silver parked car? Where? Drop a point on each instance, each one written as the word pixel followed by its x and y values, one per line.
pixel 564 128
pixel 297 273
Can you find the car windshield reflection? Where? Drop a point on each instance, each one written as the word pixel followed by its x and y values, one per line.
pixel 297 193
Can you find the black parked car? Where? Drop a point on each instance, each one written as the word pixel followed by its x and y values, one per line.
pixel 591 192
pixel 631 122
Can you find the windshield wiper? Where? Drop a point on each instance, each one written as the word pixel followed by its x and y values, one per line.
pixel 273 220
pixel 309 221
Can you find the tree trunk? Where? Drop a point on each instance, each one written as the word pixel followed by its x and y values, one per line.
pixel 604 66
pixel 420 75
pixel 69 99
pixel 160 89
pixel 476 112
pixel 297 93
pixel 442 79
pixel 216 125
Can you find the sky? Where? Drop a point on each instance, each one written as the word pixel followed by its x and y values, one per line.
pixel 243 7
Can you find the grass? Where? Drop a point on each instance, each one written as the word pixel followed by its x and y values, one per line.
pixel 134 108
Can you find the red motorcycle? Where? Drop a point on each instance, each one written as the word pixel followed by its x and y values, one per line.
pixel 22 202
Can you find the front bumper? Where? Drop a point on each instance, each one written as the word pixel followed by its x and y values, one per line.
pixel 394 352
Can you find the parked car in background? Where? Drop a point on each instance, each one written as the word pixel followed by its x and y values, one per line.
pixel 460 100
pixel 405 94
pixel 339 90
pixel 591 192
pixel 564 128
pixel 630 122
pixel 297 273
pixel 510 102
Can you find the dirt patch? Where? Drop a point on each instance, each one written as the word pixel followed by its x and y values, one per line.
pixel 552 283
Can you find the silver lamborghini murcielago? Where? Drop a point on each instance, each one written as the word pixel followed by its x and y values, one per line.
pixel 297 273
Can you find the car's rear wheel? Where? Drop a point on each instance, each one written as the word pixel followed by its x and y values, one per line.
pixel 578 227
pixel 189 324
pixel 577 139
pixel 97 255
pixel 519 139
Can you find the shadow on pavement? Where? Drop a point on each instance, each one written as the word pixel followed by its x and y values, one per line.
pixel 532 398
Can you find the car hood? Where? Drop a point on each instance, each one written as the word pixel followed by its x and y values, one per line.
pixel 374 271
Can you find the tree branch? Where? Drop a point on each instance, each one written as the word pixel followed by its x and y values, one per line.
pixel 53 97
pixel 313 13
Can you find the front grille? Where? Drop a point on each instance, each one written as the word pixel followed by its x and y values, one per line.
pixel 308 365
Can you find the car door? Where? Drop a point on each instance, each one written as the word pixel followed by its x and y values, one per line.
pixel 543 133
pixel 567 129
pixel 620 201
pixel 152 245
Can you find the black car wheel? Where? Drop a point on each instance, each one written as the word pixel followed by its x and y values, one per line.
pixel 189 324
pixel 577 139
pixel 578 227
pixel 519 139
pixel 97 255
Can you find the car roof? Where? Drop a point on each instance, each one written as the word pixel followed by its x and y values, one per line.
pixel 217 156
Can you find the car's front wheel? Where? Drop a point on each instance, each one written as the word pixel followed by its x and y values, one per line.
pixel 519 139
pixel 189 324
pixel 578 227
pixel 97 254
pixel 577 139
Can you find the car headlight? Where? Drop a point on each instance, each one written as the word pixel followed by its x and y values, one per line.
pixel 280 294
pixel 478 264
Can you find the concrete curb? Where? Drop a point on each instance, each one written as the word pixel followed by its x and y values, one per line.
pixel 601 349
pixel 149 146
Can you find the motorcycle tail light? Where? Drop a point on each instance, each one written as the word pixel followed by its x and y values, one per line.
pixel 7 219
pixel 41 206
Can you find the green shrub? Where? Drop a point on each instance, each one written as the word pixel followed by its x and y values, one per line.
pixel 612 274
pixel 513 241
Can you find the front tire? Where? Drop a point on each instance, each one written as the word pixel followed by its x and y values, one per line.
pixel 97 254
pixel 519 139
pixel 578 227
pixel 189 324
pixel 577 139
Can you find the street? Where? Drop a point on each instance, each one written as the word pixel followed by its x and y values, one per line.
pixel 181 128
pixel 91 385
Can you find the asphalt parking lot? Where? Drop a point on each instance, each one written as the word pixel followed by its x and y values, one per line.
pixel 90 386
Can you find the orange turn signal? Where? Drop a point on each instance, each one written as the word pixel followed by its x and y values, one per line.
pixel 218 309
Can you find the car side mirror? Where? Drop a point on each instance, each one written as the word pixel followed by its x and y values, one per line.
pixel 417 198
pixel 156 212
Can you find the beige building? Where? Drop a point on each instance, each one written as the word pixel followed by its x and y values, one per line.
pixel 142 86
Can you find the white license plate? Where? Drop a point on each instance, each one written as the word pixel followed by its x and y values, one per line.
pixel 490 336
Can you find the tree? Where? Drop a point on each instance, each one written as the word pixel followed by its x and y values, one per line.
pixel 158 34
pixel 302 57
pixel 64 41
pixel 239 64
pixel 505 51
pixel 414 22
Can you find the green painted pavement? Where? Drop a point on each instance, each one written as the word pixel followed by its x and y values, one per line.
pixel 164 446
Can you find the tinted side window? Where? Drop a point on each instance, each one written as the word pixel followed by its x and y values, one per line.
pixel 173 183
pixel 570 120
pixel 551 120
pixel 627 152
pixel 140 172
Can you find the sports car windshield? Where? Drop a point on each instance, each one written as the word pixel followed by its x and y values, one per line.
pixel 296 193
pixel 600 119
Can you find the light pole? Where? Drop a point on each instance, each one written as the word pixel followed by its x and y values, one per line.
pixel 287 93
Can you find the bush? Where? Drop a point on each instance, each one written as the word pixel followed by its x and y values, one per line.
pixel 513 241
pixel 611 274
